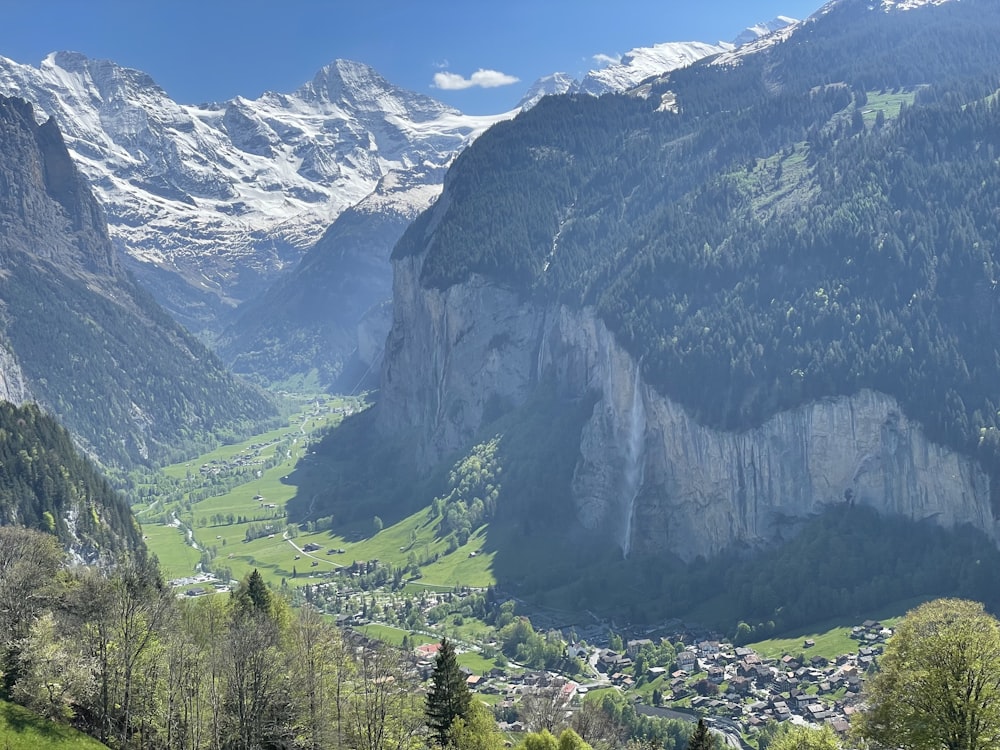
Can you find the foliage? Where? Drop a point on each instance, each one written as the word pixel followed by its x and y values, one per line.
pixel 477 730
pixel 938 684
pixel 448 698
pixel 474 487
pixel 702 738
pixel 790 737
pixel 545 740
pixel 47 485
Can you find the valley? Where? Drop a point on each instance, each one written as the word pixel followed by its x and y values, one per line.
pixel 405 585
pixel 663 403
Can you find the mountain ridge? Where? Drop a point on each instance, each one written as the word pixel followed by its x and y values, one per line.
pixel 80 336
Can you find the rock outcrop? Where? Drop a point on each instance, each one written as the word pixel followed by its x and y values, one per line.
pixel 648 473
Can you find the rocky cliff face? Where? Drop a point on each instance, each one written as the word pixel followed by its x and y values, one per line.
pixel 648 473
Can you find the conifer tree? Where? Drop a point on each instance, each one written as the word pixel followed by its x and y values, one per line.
pixel 449 697
pixel 701 738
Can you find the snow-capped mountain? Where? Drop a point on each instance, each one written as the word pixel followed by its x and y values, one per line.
pixel 211 201
pixel 758 30
pixel 555 84
pixel 642 63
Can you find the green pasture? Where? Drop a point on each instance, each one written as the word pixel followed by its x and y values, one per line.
pixel 889 102
pixel 394 636
pixel 177 558
pixel 832 636
pixel 20 729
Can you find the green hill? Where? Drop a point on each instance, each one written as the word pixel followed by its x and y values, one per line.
pixel 20 729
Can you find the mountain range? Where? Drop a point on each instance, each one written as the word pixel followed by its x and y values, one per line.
pixel 211 204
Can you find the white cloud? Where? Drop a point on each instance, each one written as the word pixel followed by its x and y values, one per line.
pixel 601 59
pixel 443 65
pixel 486 79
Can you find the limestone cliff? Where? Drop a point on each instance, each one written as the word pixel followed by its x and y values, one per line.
pixel 648 473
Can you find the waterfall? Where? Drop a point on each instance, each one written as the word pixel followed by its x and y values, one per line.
pixel 634 456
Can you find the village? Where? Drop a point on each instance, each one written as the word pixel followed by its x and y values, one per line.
pixel 684 674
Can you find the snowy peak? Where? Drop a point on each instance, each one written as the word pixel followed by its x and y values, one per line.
pixel 557 83
pixel 358 86
pixel 890 5
pixel 211 201
pixel 755 32
pixel 643 62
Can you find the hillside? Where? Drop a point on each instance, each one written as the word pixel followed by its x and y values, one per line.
pixel 46 485
pixel 20 729
pixel 80 337
pixel 768 284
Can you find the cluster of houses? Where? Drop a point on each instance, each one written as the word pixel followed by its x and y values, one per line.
pixel 718 679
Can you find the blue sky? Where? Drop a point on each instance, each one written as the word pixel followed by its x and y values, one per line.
pixel 205 50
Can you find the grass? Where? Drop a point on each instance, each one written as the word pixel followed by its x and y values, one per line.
pixel 832 636
pixel 889 102
pixel 273 557
pixel 177 558
pixel 475 661
pixel 394 636
pixel 20 729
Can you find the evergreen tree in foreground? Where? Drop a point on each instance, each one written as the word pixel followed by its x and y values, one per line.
pixel 449 697
pixel 701 738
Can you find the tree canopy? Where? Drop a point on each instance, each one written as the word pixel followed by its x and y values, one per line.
pixel 938 687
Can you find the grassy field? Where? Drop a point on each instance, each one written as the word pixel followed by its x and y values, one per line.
pixel 832 636
pixel 394 636
pixel 220 524
pixel 889 102
pixel 20 729
pixel 177 558
pixel 248 503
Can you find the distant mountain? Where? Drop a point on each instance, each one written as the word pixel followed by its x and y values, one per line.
pixel 643 62
pixel 78 335
pixel 551 85
pixel 311 323
pixel 758 30
pixel 211 202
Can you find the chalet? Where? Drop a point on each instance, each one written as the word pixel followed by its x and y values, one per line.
pixel 739 685
pixel 818 712
pixel 688 661
pixel 311 547
pixel 716 675
pixel 634 646
pixel 708 648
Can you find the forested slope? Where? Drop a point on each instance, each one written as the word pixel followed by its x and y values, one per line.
pixel 767 229
pixel 45 484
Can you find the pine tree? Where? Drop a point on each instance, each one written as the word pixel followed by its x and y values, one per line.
pixel 701 738
pixel 449 697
